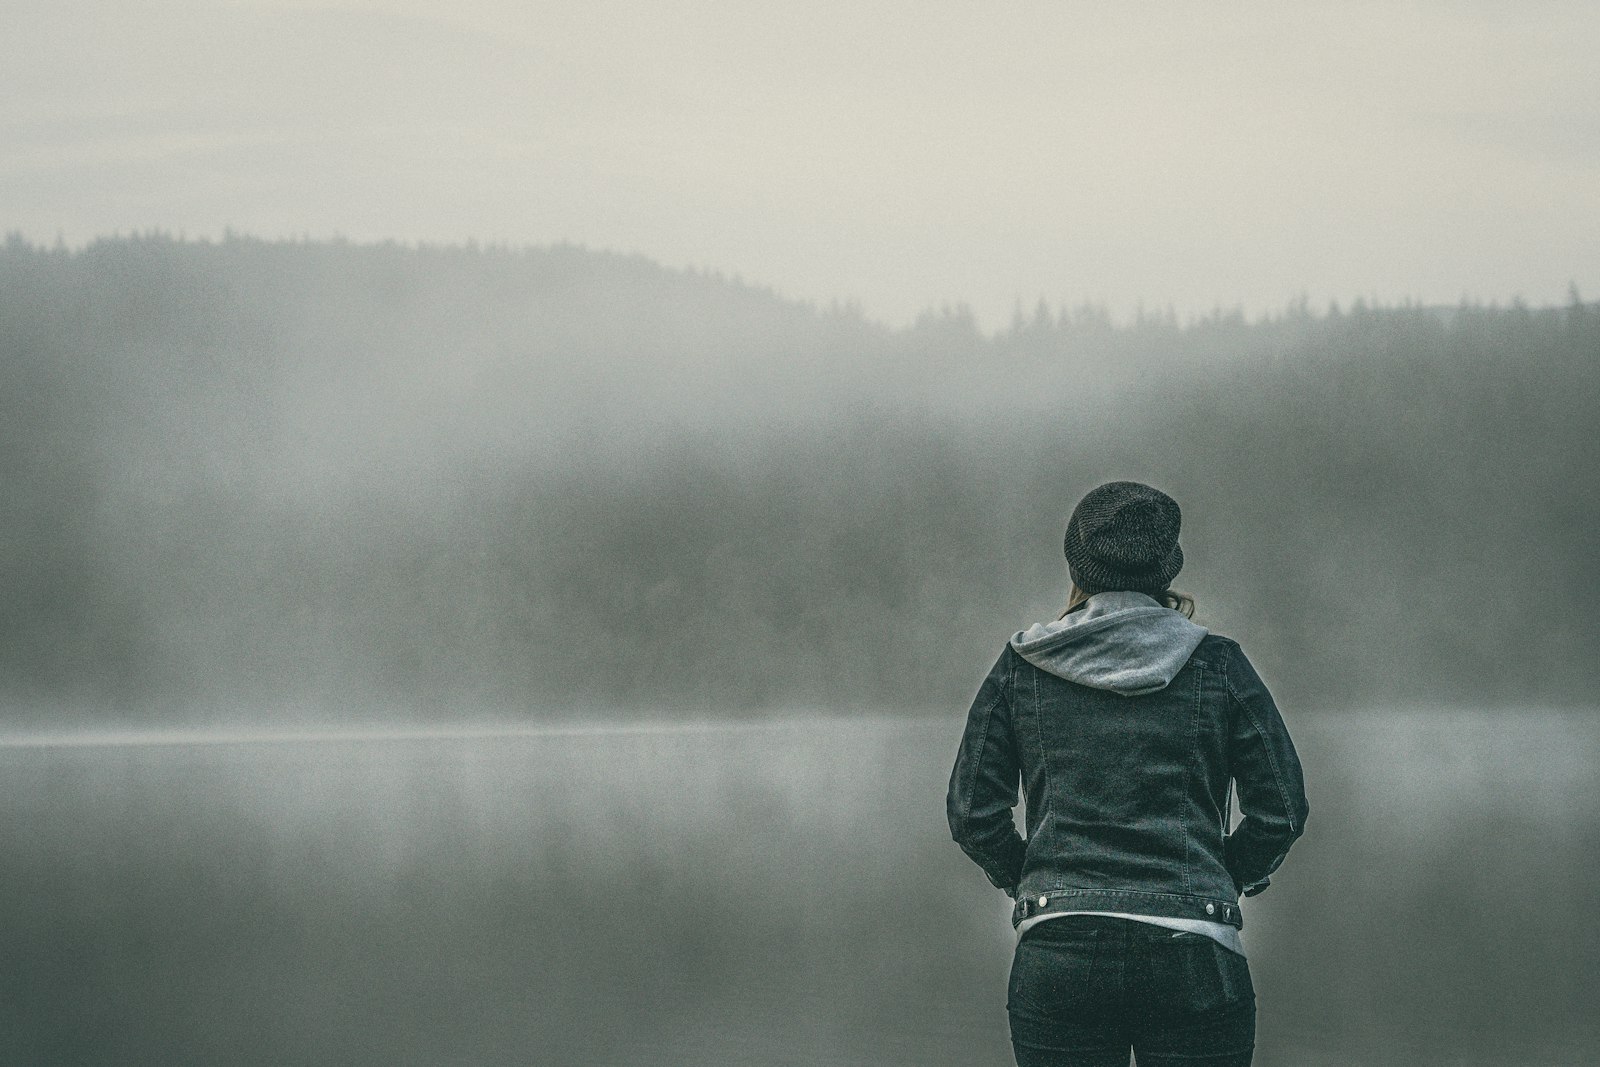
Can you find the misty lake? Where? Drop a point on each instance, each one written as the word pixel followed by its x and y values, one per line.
pixel 738 894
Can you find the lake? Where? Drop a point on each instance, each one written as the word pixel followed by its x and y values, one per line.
pixel 781 893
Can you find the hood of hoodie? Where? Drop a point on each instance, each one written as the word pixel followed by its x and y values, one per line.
pixel 1125 642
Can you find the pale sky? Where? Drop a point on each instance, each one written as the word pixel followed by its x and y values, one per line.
pixel 901 154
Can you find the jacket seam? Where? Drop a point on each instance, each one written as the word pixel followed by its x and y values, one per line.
pixel 1272 759
pixel 970 785
pixel 1046 809
pixel 1188 786
pixel 1054 890
pixel 971 847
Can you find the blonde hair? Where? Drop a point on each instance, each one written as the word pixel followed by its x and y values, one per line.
pixel 1182 603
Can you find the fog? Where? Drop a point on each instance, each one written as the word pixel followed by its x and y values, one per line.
pixel 297 482
pixel 759 894
pixel 475 654
pixel 423 650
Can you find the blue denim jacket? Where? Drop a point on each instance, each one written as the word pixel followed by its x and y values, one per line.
pixel 1127 783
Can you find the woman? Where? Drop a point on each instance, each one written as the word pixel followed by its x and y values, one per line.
pixel 1126 722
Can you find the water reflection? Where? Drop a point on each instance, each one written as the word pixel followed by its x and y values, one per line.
pixel 750 895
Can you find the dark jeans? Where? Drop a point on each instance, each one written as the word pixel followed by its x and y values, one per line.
pixel 1085 989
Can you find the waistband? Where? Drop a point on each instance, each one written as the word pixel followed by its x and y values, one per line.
pixel 1172 905
pixel 1156 928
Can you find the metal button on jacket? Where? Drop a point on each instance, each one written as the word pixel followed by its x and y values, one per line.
pixel 1211 909
pixel 1043 901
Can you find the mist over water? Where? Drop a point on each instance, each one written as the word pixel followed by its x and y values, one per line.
pixel 776 893
pixel 399 650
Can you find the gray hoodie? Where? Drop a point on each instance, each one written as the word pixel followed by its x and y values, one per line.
pixel 1125 642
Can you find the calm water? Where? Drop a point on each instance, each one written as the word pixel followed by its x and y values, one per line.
pixel 750 895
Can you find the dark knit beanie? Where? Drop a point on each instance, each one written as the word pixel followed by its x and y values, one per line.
pixel 1124 535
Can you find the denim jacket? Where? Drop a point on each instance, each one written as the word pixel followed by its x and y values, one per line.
pixel 1125 727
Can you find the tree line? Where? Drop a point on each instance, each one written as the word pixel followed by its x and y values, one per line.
pixel 320 478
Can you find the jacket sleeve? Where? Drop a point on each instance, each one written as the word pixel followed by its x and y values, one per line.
pixel 1271 787
pixel 983 785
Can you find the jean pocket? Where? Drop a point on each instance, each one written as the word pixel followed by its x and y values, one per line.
pixel 1201 976
pixel 1051 978
pixel 1235 972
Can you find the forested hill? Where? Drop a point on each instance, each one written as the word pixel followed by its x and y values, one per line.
pixel 326 480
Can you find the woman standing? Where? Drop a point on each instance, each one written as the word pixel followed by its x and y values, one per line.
pixel 1125 722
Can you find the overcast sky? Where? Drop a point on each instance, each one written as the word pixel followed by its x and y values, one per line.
pixel 901 154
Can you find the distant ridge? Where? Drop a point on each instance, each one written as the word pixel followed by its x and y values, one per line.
pixel 263 474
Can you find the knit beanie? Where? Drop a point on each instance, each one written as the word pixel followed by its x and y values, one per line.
pixel 1124 535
